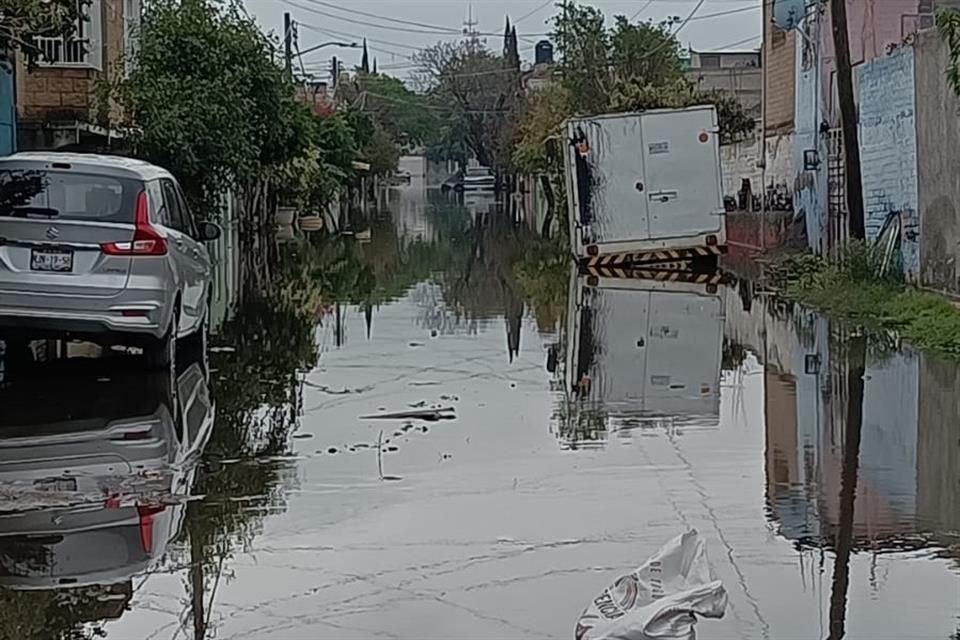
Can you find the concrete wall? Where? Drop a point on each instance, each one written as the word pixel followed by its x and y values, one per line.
pixel 888 150
pixel 744 83
pixel 938 153
pixel 873 26
pixel 738 162
pixel 810 187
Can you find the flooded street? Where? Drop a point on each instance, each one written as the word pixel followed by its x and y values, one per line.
pixel 462 440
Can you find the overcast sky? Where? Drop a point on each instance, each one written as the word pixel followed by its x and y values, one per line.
pixel 424 22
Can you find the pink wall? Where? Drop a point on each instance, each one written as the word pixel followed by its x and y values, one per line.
pixel 872 25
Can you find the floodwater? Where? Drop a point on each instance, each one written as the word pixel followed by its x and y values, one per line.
pixel 570 426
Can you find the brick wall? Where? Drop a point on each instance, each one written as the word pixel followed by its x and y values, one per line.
pixel 780 59
pixel 888 149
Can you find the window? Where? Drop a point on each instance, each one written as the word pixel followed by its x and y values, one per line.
pixel 171 202
pixel 187 214
pixel 82 49
pixel 132 10
pixel 67 195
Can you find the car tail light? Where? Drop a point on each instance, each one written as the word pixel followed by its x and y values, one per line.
pixel 147 241
pixel 146 515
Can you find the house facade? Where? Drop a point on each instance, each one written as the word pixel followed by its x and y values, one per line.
pixel 60 101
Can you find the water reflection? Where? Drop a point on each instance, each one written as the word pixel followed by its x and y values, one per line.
pixel 640 354
pixel 856 458
pixel 862 452
pixel 97 462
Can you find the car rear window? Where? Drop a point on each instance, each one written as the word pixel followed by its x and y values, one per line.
pixel 67 195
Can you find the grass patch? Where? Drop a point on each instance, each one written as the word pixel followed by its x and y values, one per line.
pixel 851 289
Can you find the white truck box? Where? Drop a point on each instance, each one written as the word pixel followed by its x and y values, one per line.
pixel 644 182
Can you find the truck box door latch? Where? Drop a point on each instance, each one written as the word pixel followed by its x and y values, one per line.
pixel 663 196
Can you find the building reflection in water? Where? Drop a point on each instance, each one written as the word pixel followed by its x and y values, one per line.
pixel 862 451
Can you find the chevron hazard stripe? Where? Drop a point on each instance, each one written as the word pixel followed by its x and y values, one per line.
pixel 652 257
pixel 657 275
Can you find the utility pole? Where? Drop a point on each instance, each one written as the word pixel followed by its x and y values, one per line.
pixel 288 44
pixel 762 160
pixel 334 72
pixel 848 118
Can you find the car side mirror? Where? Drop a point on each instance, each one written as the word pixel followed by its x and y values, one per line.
pixel 209 231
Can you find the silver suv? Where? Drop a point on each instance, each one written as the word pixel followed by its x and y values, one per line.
pixel 101 248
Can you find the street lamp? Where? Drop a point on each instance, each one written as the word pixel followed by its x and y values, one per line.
pixel 346 45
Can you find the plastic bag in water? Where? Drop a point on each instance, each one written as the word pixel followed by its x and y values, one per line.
pixel 660 600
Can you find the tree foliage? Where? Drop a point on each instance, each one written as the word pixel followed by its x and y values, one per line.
pixel 948 24
pixel 220 112
pixel 404 115
pixel 475 88
pixel 542 118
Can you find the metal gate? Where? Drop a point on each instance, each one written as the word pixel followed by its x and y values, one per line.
pixel 8 109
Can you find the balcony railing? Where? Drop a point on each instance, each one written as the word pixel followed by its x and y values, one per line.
pixel 67 52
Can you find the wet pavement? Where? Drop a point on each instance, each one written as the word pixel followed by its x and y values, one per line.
pixel 555 430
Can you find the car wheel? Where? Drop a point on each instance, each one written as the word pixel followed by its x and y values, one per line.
pixel 162 353
pixel 199 342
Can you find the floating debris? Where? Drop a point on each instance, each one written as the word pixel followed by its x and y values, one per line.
pixel 432 415
pixel 302 436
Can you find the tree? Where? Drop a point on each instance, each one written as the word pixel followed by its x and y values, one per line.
pixel 22 21
pixel 583 43
pixel 365 61
pixel 407 116
pixel 220 113
pixel 473 85
pixel 543 114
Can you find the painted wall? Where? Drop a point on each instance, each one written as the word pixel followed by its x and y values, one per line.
pixel 938 154
pixel 873 26
pixel 888 150
pixel 809 186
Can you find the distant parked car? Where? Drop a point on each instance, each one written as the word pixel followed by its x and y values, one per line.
pixel 101 248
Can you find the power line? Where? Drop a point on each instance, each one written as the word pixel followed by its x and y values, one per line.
pixel 533 12
pixel 421 28
pixel 642 9
pixel 345 34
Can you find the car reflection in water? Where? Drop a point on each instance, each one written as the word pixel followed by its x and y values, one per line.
pixel 95 467
pixel 641 353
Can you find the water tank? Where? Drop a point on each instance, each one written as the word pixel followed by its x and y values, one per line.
pixel 543 53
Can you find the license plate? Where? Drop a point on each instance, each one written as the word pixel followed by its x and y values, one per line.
pixel 55 260
pixel 56 484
